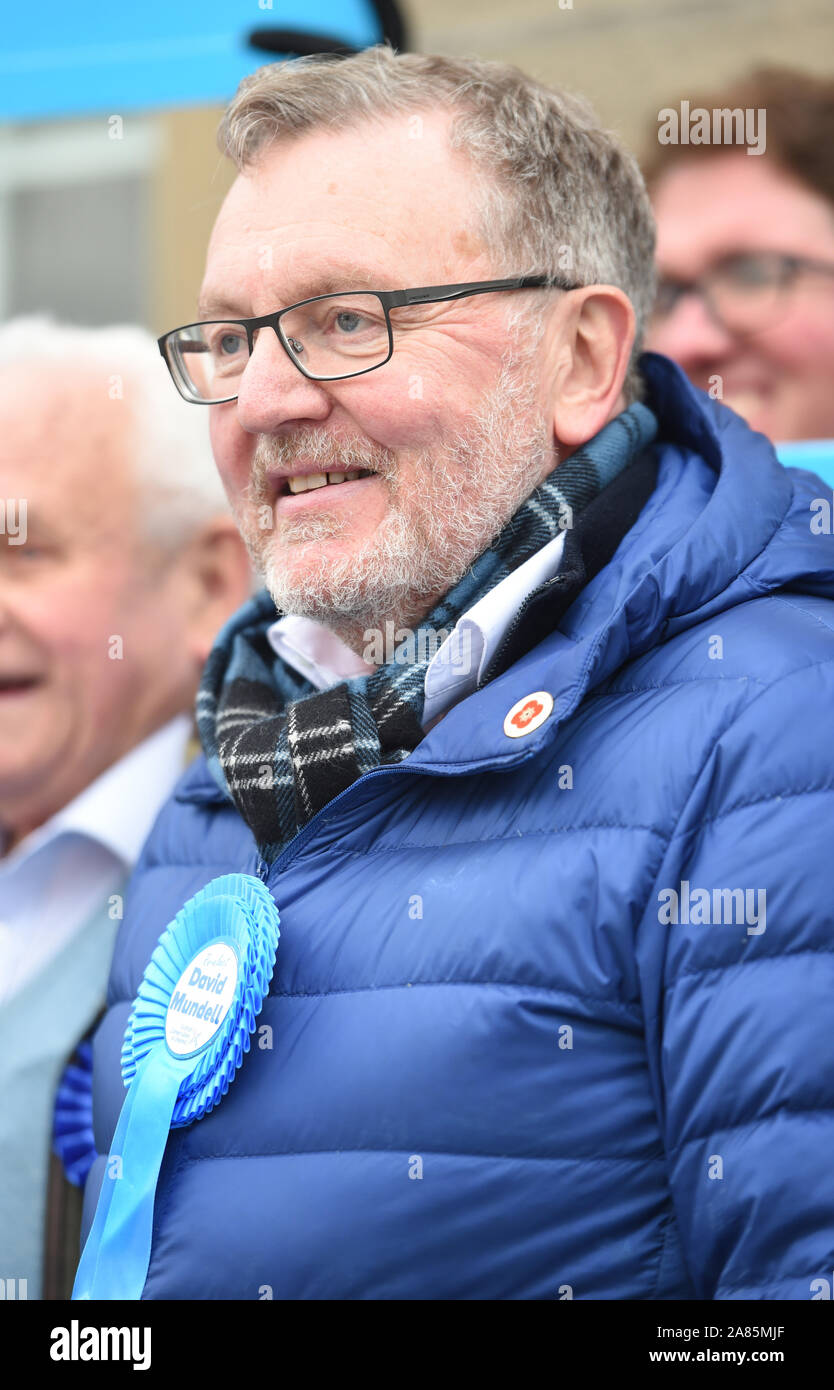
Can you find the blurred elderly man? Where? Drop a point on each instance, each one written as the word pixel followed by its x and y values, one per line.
pixel 550 1011
pixel 118 564
pixel 745 254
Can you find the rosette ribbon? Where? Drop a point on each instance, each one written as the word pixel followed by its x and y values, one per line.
pixel 72 1125
pixel 188 1030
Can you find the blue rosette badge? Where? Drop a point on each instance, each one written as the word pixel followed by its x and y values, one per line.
pixel 188 1030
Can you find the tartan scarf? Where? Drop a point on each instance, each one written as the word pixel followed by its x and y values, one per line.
pixel 282 749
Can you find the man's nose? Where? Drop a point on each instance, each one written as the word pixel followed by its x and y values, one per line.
pixel 689 334
pixel 273 391
pixel 7 613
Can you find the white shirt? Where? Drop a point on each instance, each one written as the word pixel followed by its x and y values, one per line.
pixel 53 881
pixel 459 662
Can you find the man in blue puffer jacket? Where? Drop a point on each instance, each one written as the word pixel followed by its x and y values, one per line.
pixel 529 738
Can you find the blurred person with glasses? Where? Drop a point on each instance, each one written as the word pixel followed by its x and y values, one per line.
pixel 745 257
pixel 554 920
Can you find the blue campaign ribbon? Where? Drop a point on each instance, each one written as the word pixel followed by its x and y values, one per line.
pixel 72 1125
pixel 236 914
pixel 118 1248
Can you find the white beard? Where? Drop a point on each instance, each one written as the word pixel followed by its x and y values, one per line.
pixel 468 491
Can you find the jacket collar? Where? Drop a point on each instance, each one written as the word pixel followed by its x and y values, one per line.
pixel 698 547
pixel 716 531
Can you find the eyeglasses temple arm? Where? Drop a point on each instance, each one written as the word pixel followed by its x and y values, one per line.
pixel 439 293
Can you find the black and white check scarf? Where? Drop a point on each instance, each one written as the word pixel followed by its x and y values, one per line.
pixel 283 749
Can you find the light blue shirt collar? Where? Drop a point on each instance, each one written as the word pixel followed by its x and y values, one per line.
pixel 459 662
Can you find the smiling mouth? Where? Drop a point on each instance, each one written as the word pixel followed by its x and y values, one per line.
pixel 309 482
pixel 17 685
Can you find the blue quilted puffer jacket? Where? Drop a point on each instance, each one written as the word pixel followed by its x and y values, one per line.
pixel 551 1016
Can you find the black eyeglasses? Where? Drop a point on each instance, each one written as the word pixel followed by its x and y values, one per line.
pixel 328 337
pixel 745 292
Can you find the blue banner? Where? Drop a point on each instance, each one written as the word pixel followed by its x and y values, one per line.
pixel 72 60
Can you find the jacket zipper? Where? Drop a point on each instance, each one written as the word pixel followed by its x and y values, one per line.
pixel 307 832
pixel 312 826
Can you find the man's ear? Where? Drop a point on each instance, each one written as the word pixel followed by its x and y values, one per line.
pixel 216 568
pixel 591 347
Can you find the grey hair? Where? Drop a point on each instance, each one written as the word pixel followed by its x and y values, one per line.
pixel 560 196
pixel 168 445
